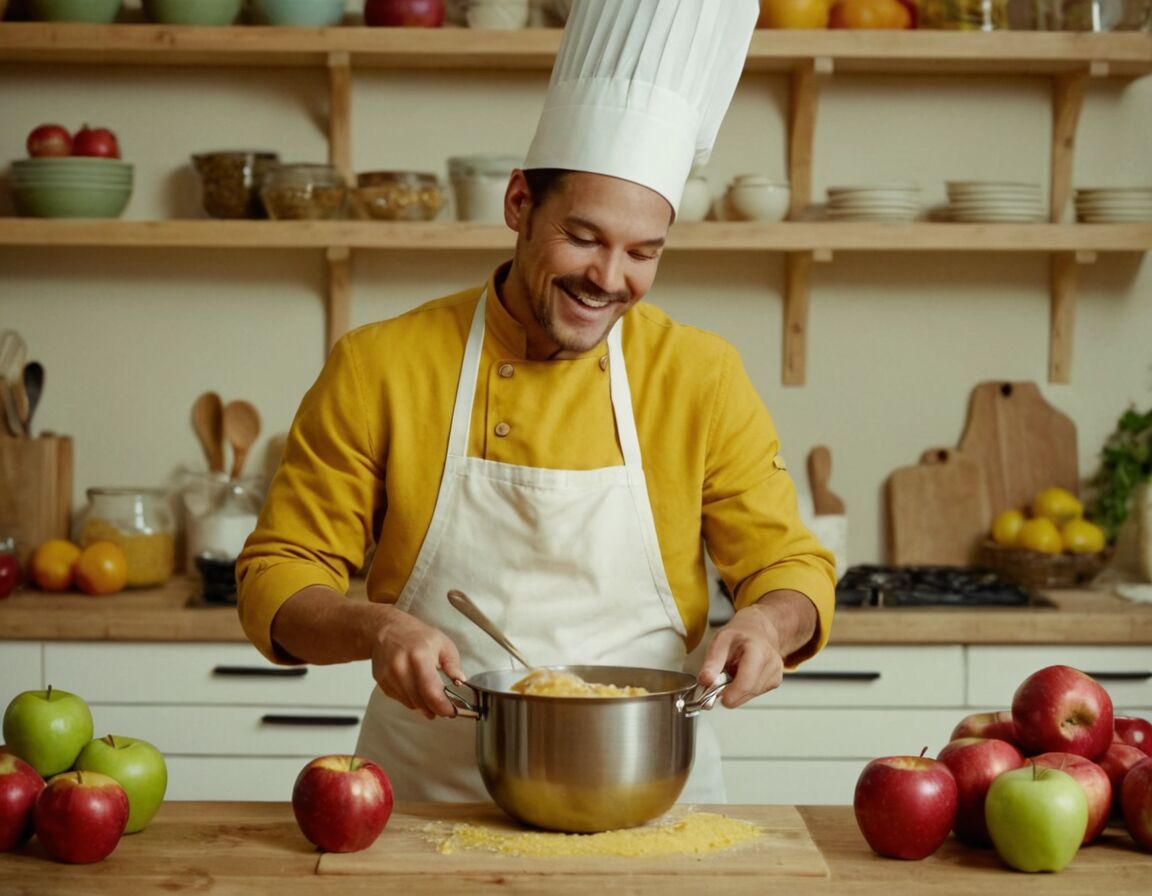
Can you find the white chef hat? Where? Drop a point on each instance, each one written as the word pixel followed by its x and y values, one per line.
pixel 639 88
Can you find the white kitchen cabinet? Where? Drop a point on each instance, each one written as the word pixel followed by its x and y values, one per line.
pixel 807 742
pixel 231 724
pixel 21 668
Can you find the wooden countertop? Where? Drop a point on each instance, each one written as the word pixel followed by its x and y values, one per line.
pixel 256 848
pixel 171 614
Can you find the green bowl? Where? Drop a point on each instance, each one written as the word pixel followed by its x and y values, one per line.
pixel 99 11
pixel 308 13
pixel 192 12
pixel 75 163
pixel 57 201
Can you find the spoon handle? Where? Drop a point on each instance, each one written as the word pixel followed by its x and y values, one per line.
pixel 463 603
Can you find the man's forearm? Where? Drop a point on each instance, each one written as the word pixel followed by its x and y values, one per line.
pixel 794 617
pixel 320 625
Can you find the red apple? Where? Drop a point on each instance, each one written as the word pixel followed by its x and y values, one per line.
pixel 1059 709
pixel 404 13
pixel 1134 731
pixel 95 142
pixel 998 725
pixel 975 762
pixel 905 805
pixel 20 784
pixel 1136 803
pixel 342 803
pixel 1117 760
pixel 9 573
pixel 80 816
pixel 49 140
pixel 1095 783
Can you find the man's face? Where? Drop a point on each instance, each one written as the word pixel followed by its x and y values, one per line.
pixel 584 255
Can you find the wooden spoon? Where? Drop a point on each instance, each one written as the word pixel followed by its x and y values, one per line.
pixel 241 427
pixel 208 421
pixel 819 471
pixel 33 386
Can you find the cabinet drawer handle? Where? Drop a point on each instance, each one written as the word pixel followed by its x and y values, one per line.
pixel 1121 676
pixel 262 671
pixel 832 676
pixel 275 719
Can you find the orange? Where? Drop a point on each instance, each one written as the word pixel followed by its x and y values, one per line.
pixel 102 568
pixel 53 563
pixel 1040 534
pixel 1006 527
pixel 1082 537
pixel 793 14
pixel 1057 504
pixel 869 14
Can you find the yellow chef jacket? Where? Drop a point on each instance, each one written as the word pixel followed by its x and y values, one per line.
pixel 365 455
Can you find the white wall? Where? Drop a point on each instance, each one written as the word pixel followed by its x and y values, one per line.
pixel 130 337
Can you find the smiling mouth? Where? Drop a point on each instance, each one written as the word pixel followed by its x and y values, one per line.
pixel 587 301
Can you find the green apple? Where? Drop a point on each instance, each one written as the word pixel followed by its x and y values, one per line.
pixel 137 766
pixel 1036 817
pixel 47 729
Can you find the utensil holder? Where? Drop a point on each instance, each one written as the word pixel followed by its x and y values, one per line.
pixel 35 491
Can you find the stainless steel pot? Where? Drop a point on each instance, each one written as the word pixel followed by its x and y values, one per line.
pixel 586 764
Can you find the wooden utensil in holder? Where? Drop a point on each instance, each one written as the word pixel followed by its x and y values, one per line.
pixel 35 491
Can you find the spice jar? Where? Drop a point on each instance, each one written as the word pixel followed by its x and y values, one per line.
pixel 137 519
pixel 310 192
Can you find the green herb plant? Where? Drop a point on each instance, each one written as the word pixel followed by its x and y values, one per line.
pixel 1125 462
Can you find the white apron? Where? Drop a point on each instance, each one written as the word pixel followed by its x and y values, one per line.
pixel 566 562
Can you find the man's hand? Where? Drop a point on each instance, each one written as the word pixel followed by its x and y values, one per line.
pixel 406 658
pixel 753 645
pixel 317 624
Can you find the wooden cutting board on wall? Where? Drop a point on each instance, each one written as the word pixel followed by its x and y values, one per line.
pixel 937 510
pixel 1022 442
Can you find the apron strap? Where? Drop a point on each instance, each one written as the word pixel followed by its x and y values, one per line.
pixel 466 385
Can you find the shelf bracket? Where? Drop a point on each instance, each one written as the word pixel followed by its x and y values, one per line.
pixel 340 112
pixel 1067 101
pixel 797 268
pixel 1062 315
pixel 338 307
pixel 804 90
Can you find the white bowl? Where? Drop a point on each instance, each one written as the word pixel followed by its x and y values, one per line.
pixel 753 197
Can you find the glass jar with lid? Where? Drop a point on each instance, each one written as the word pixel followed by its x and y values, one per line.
pixel 140 522
pixel 964 15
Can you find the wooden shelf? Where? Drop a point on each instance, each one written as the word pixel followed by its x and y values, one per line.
pixel 820 238
pixel 1003 53
pixel 808 58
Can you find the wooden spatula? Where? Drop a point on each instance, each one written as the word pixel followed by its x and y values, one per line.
pixel 824 502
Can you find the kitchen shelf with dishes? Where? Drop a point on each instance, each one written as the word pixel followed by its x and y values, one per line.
pixel 1072 61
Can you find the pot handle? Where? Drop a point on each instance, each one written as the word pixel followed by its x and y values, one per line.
pixel 465 708
pixel 693 706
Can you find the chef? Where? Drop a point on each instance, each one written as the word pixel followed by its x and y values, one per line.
pixel 547 443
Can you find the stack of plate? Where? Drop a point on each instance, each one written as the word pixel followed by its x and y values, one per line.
pixel 882 202
pixel 1114 204
pixel 974 200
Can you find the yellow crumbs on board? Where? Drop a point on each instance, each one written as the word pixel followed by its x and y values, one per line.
pixel 692 834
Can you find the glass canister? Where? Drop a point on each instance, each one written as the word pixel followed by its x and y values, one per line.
pixel 221 515
pixel 230 182
pixel 139 520
pixel 964 15
pixel 304 192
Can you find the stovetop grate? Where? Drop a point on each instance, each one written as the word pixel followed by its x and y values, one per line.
pixel 928 586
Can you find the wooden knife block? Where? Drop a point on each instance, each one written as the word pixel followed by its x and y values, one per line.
pixel 35 491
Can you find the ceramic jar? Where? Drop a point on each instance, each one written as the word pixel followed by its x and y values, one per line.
pixel 697 199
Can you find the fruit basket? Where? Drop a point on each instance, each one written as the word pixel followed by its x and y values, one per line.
pixel 1035 569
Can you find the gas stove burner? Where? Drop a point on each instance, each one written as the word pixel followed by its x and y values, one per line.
pixel 928 586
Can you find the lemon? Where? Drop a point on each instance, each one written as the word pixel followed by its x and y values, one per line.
pixel 1006 527
pixel 1082 537
pixel 1057 504
pixel 1040 534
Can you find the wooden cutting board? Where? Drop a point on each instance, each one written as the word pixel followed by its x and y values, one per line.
pixel 1023 443
pixel 410 845
pixel 937 510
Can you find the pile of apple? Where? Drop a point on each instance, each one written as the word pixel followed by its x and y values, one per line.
pixel 1035 782
pixel 77 794
pixel 48 140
